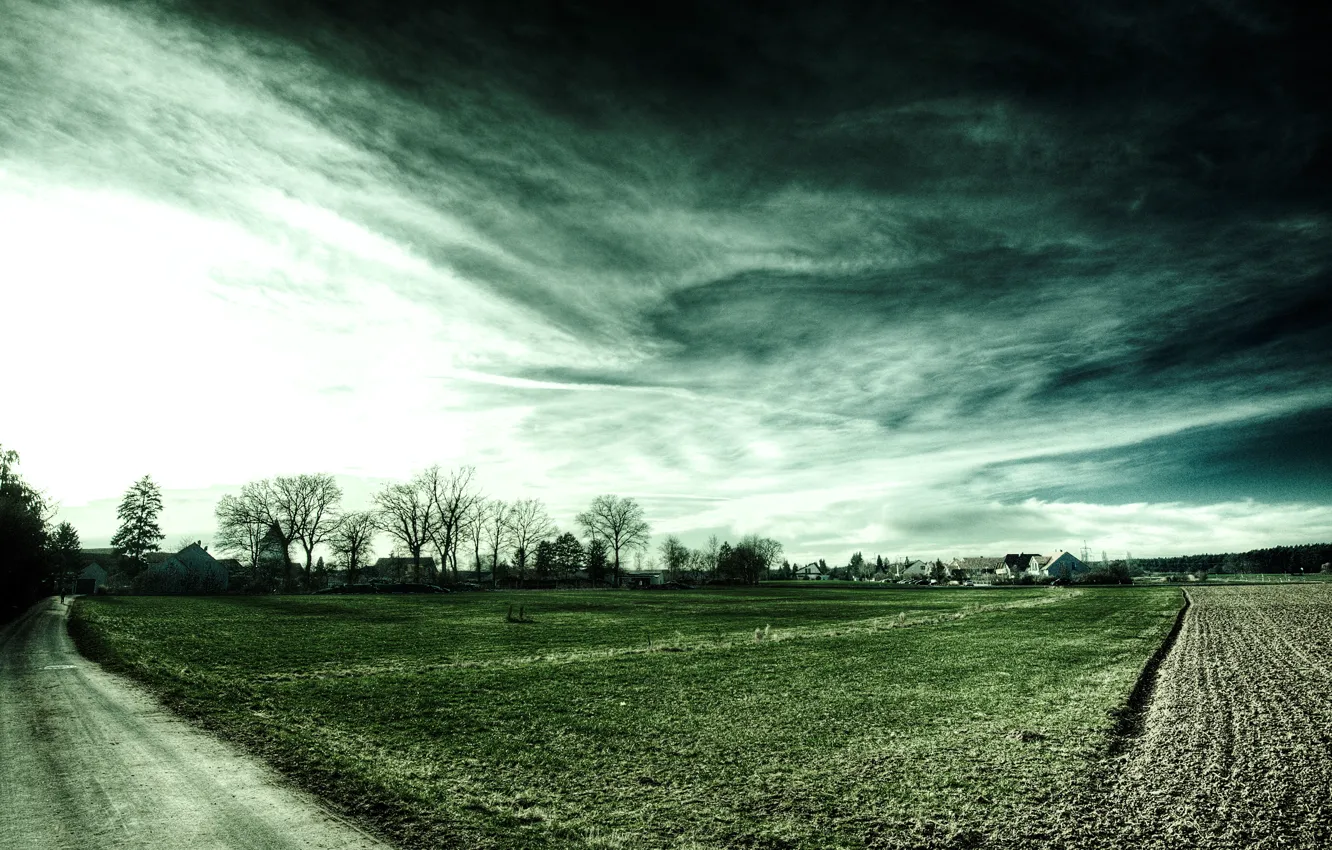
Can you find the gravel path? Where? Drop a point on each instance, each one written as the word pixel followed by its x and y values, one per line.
pixel 91 761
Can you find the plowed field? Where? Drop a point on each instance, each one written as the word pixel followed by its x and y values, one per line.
pixel 1235 746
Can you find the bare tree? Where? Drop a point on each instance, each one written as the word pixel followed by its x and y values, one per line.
pixel 281 511
pixel 617 520
pixel 405 514
pixel 529 524
pixel 710 553
pixel 674 557
pixel 350 541
pixel 496 531
pixel 476 530
pixel 312 502
pixel 244 521
pixel 453 497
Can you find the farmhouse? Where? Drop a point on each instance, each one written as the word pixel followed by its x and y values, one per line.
pixel 811 572
pixel 191 570
pixel 1065 565
pixel 91 579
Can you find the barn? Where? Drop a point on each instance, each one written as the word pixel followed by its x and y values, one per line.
pixel 90 580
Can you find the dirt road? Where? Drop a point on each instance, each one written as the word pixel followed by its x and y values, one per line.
pixel 88 760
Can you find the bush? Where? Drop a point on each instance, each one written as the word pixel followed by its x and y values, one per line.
pixel 1106 577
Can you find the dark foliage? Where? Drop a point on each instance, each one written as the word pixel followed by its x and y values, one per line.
pixel 25 568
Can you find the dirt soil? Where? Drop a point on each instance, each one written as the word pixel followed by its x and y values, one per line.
pixel 1233 748
pixel 91 761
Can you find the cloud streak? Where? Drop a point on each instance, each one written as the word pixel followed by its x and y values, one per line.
pixel 847 276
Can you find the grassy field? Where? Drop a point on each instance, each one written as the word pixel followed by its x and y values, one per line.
pixel 853 718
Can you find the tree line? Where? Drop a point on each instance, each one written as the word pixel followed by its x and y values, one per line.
pixel 34 556
pixel 1308 558
pixel 441 521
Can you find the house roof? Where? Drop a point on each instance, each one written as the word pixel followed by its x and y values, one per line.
pixel 1021 560
pixel 192 556
pixel 980 563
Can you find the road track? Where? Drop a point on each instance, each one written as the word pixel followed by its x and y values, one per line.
pixel 89 760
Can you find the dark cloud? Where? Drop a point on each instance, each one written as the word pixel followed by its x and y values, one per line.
pixel 720 235
pixel 1280 459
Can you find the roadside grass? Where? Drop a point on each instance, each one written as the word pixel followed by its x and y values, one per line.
pixel 895 718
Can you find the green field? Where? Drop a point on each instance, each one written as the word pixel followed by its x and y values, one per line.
pixel 883 717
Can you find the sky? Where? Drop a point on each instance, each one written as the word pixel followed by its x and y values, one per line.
pixel 922 279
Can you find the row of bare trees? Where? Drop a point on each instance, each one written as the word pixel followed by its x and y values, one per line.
pixel 747 562
pixel 438 510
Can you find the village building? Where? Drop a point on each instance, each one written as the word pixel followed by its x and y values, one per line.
pixel 914 569
pixel 981 569
pixel 1065 565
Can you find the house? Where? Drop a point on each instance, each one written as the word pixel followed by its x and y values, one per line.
pixel 982 569
pixel 91 579
pixel 1017 565
pixel 191 570
pixel 1065 565
pixel 810 572
pixel 397 567
pixel 915 569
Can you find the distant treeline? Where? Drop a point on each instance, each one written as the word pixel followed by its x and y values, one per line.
pixel 1308 558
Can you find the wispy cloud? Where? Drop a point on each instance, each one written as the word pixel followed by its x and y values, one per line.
pixel 844 277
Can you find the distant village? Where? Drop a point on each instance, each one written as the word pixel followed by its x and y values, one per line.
pixel 193 569
pixel 1013 568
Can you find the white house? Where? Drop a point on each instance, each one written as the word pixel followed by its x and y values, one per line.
pixel 811 572
pixel 915 569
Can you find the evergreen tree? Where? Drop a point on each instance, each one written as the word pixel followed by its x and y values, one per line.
pixel 543 563
pixel 63 548
pixel 598 558
pixel 568 555
pixel 24 568
pixel 139 532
